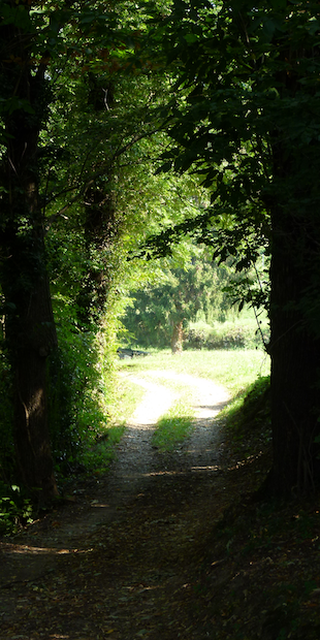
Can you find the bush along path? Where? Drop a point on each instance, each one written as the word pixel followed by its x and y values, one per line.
pixel 169 544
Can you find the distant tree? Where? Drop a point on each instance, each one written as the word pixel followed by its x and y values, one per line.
pixel 160 311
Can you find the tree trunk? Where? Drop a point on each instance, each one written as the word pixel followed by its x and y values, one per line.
pixel 295 347
pixel 32 440
pixel 177 337
pixel 29 324
pixel 295 284
pixel 30 336
pixel 101 228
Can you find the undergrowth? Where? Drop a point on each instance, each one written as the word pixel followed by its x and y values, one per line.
pixel 236 334
pixel 15 508
pixel 248 417
pixel 97 458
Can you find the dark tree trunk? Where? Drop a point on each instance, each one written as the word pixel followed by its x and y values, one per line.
pixel 101 228
pixel 30 336
pixel 295 313
pixel 295 358
pixel 295 280
pixel 29 324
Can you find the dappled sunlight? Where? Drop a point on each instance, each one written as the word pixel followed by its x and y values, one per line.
pixel 177 472
pixel 246 461
pixel 99 505
pixel 210 468
pixel 149 410
pixel 30 550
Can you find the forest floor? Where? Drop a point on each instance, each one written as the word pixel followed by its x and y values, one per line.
pixel 167 545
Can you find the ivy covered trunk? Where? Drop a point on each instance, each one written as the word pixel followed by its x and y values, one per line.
pixel 100 228
pixel 29 324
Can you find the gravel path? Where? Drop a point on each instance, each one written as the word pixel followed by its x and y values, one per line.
pixel 144 488
pixel 137 458
pixel 138 462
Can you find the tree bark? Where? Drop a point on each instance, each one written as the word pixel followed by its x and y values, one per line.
pixel 294 315
pixel 101 228
pixel 30 341
pixel 295 358
pixel 29 324
pixel 295 282
pixel 30 336
pixel 177 337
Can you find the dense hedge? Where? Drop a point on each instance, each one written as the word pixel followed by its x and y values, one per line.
pixel 227 335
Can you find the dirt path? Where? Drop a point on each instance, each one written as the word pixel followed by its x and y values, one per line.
pixel 117 563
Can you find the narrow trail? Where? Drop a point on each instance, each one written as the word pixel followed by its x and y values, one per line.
pixel 138 459
pixel 116 563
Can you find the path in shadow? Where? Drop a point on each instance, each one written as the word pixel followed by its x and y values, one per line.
pixel 115 563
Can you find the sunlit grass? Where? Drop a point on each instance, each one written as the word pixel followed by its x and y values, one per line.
pixel 173 428
pixel 235 370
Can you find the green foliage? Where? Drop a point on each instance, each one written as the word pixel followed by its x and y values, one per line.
pixel 178 296
pixel 251 415
pixel 247 426
pixel 125 398
pixel 68 74
pixel 244 116
pixel 226 335
pixel 236 111
pixel 99 452
pixel 94 166
pixel 78 397
pixel 103 196
pixel 15 508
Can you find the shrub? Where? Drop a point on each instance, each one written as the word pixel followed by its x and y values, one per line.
pixel 226 335
pixel 15 509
